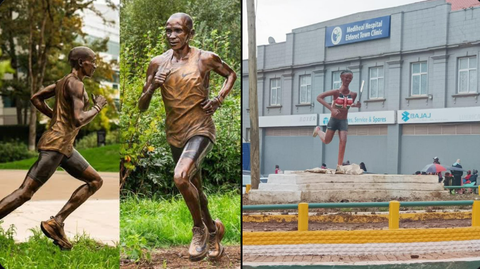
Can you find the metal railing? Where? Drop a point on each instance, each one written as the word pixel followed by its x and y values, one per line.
pixel 393 214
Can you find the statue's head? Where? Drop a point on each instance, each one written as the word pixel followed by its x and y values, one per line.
pixel 346 76
pixel 179 30
pixel 83 58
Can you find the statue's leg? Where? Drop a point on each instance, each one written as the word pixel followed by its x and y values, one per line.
pixel 188 165
pixel 207 218
pixel 39 173
pixel 342 146
pixel 79 168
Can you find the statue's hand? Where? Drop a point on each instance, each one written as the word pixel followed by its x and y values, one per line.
pixel 358 104
pixel 160 77
pixel 335 112
pixel 99 100
pixel 210 106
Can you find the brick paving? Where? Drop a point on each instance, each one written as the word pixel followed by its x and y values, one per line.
pixel 342 259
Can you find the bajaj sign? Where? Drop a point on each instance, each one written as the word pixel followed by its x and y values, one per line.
pixel 461 114
pixel 358 31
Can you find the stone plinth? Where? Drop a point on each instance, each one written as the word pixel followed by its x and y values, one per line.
pixel 294 187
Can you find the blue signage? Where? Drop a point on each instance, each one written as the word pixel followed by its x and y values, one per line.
pixel 358 31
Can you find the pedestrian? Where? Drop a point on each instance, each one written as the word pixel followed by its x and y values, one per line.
pixel 437 161
pixel 457 174
pixel 324 166
pixel 277 169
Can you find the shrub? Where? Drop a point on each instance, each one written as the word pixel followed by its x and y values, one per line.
pixel 14 151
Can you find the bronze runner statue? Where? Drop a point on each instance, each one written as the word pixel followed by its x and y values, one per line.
pixel 182 73
pixel 343 99
pixel 56 145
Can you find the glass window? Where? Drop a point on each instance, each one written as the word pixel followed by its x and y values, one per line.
pixel 337 81
pixel 305 89
pixel 419 78
pixel 275 94
pixel 376 82
pixel 467 74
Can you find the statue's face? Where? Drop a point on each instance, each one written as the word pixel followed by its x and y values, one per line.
pixel 89 66
pixel 346 78
pixel 177 33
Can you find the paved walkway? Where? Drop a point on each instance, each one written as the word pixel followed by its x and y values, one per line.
pixel 98 217
pixel 370 261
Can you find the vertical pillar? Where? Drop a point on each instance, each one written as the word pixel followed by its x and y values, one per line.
pixel 476 213
pixel 302 217
pixel 394 215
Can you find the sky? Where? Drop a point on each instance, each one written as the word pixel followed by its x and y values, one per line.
pixel 276 18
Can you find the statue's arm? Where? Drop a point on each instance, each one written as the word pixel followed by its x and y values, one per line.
pixel 321 98
pixel 150 85
pixel 224 70
pixel 38 100
pixel 75 94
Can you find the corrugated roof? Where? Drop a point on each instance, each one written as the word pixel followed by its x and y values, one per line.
pixel 461 4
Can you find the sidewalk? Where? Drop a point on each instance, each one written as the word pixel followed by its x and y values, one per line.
pixel 98 216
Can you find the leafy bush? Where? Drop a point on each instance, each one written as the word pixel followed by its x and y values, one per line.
pixel 14 151
pixel 90 140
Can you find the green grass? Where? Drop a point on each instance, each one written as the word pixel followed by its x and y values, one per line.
pixel 152 223
pixel 39 252
pixel 103 159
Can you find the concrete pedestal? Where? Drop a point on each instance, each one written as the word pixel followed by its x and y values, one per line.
pixel 294 187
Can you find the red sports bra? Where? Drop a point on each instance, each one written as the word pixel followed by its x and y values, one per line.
pixel 343 101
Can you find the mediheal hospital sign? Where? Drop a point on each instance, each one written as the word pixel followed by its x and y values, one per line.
pixel 464 114
pixel 358 31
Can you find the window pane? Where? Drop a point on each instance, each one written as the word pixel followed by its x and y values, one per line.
pixel 380 71
pixel 380 87
pixel 423 89
pixel 473 62
pixel 302 80
pixel 374 89
pixel 374 72
pixel 302 95
pixel 309 80
pixel 463 63
pixel 274 97
pixel 473 81
pixel 416 68
pixel 279 97
pixel 462 81
pixel 415 85
pixel 309 94
pixel 424 67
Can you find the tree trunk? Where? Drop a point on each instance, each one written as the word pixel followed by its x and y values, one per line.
pixel 253 97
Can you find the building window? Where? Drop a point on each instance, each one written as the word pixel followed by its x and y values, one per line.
pixel 376 82
pixel 305 89
pixel 337 81
pixel 275 93
pixel 419 78
pixel 467 74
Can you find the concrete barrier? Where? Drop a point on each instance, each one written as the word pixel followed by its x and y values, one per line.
pixel 297 186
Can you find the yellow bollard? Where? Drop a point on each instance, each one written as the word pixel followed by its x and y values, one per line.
pixel 394 215
pixel 249 186
pixel 302 217
pixel 476 213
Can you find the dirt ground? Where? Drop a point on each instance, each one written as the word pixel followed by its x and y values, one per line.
pixel 177 257
pixel 315 226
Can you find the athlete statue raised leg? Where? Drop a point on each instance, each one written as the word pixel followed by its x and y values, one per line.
pixel 55 147
pixel 182 73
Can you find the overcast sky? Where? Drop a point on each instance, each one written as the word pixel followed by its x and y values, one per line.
pixel 276 18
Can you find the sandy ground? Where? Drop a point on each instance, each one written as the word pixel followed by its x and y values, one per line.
pixel 98 217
